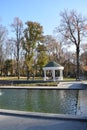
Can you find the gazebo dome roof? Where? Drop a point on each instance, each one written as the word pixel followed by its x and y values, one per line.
pixel 52 64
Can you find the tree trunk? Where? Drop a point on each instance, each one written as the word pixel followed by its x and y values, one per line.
pixel 28 73
pixel 78 65
pixel 18 69
pixel 18 66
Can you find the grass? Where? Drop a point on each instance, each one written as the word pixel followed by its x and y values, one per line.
pixel 38 81
pixel 69 79
pixel 23 82
pixel 12 78
pixel 21 78
pixel 25 78
pixel 39 84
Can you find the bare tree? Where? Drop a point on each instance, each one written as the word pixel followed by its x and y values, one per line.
pixel 18 28
pixel 3 34
pixel 83 56
pixel 54 48
pixel 73 27
pixel 9 49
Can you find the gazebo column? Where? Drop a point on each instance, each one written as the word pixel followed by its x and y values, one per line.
pixel 61 74
pixel 44 75
pixel 53 75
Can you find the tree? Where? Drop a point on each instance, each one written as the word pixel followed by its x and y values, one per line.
pixel 18 28
pixel 8 68
pixel 83 56
pixel 73 28
pixel 32 35
pixel 3 34
pixel 42 57
pixel 53 48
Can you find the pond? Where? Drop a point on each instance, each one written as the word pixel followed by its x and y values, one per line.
pixel 47 101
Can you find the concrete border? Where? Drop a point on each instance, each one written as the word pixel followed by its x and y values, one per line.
pixel 70 85
pixel 42 115
pixel 42 88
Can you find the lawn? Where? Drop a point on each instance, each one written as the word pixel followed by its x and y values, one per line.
pixel 38 81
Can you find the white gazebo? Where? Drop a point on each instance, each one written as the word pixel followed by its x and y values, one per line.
pixel 53 67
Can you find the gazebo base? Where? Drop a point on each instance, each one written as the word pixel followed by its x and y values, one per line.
pixel 56 79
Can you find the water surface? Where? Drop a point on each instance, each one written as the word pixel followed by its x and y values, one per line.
pixel 47 101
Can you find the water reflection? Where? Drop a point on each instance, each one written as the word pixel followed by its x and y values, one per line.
pixel 49 101
pixel 0 93
pixel 82 103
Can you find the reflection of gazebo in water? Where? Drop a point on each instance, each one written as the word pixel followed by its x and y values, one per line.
pixel 53 68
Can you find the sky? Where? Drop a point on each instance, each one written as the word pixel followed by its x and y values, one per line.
pixel 45 12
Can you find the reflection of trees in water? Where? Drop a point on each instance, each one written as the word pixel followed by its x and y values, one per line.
pixel 53 101
pixel 50 101
pixel 13 99
pixel 82 102
pixel 68 101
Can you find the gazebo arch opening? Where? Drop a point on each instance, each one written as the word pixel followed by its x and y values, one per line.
pixel 56 71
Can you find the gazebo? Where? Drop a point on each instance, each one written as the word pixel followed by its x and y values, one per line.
pixel 53 67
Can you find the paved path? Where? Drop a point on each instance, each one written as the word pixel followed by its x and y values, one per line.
pixel 26 123
pixel 73 85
